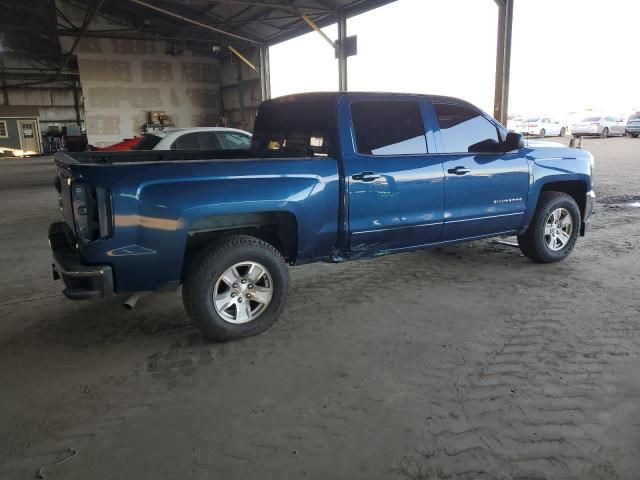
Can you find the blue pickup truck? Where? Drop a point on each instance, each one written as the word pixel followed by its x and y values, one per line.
pixel 329 177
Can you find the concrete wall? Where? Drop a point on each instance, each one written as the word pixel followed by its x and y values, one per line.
pixel 241 94
pixel 124 79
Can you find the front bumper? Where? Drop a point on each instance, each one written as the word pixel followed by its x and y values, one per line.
pixel 82 282
pixel 588 210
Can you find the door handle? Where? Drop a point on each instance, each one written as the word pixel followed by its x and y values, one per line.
pixel 365 176
pixel 459 170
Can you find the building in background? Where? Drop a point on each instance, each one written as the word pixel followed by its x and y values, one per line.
pixel 19 131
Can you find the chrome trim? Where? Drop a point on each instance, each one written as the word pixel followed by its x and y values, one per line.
pixel 400 227
pixel 485 218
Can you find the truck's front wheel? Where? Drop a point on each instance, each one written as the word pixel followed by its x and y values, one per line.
pixel 554 229
pixel 235 288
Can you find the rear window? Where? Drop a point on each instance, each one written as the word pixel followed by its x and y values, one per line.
pixel 295 127
pixel 148 142
pixel 591 119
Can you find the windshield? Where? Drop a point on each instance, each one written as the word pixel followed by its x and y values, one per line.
pixel 591 119
pixel 148 142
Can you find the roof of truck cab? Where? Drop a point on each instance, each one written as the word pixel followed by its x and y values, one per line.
pixel 335 96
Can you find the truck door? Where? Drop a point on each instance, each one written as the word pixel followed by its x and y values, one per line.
pixel 485 193
pixel 394 184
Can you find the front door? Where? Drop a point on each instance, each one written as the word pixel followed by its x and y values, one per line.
pixel 28 136
pixel 395 186
pixel 485 193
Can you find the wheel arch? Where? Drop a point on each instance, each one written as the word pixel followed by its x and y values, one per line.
pixel 279 229
pixel 574 188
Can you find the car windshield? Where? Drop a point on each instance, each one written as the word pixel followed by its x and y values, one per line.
pixel 148 142
pixel 591 119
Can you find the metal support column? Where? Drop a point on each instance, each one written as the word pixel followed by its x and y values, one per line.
pixel 342 57
pixel 265 73
pixel 503 60
pixel 76 101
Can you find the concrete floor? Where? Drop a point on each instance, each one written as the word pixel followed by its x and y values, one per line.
pixel 465 362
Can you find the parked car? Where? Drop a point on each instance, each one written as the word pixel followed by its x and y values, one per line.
pixel 330 176
pixel 541 127
pixel 198 138
pixel 125 145
pixel 633 125
pixel 602 126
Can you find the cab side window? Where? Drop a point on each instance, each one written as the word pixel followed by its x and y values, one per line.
pixel 388 128
pixel 464 129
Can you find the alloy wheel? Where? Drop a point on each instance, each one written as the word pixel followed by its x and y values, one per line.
pixel 558 229
pixel 243 292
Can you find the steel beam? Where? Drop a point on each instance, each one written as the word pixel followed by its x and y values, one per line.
pixel 503 61
pixel 342 57
pixel 91 11
pixel 265 73
pixel 195 22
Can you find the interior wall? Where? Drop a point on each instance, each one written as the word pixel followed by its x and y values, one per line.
pixel 124 79
pixel 241 92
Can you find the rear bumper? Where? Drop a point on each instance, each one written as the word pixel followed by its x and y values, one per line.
pixel 588 210
pixel 82 282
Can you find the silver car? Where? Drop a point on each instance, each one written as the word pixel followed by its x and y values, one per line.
pixel 600 126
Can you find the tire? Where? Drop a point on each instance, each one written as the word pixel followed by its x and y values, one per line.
pixel 204 274
pixel 535 242
pixel 634 135
pixel 605 132
pixel 562 131
pixel 543 132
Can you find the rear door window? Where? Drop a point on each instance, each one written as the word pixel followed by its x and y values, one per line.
pixel 196 141
pixel 464 129
pixel 234 140
pixel 388 128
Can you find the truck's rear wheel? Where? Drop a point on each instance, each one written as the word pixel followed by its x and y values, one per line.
pixel 554 229
pixel 235 288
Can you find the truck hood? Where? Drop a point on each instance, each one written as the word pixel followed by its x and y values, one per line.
pixel 542 143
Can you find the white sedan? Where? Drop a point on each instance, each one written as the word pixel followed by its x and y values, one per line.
pixel 541 127
pixel 599 125
pixel 201 138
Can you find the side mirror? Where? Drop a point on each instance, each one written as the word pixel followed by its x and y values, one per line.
pixel 514 141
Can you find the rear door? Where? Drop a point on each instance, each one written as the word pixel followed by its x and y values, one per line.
pixel 485 193
pixel 394 178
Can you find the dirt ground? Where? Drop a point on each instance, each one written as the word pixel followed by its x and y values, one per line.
pixel 467 362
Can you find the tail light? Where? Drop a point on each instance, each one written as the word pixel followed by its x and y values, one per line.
pixel 533 125
pixel 91 212
pixel 594 124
